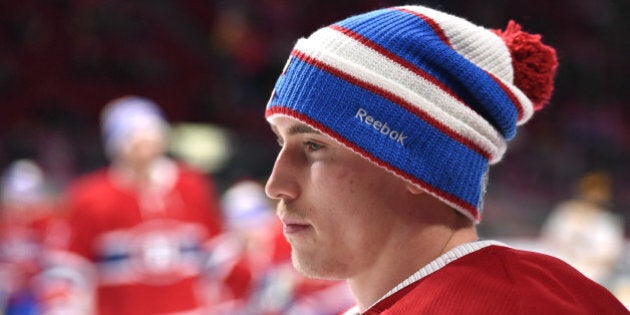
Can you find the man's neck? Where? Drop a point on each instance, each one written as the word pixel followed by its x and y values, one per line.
pixel 409 252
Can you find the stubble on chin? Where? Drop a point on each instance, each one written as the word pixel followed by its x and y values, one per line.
pixel 317 265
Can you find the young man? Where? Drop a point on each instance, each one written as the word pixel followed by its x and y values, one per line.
pixel 388 122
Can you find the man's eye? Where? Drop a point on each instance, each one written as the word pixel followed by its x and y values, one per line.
pixel 312 146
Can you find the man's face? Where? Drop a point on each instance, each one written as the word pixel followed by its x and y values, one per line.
pixel 142 147
pixel 337 207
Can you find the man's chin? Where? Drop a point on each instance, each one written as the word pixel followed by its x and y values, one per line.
pixel 316 268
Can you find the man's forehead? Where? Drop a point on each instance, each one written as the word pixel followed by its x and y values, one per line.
pixel 290 126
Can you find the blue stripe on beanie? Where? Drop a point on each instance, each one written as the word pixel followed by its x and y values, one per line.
pixel 414 40
pixel 404 142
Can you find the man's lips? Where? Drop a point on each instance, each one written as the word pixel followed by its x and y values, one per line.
pixel 292 226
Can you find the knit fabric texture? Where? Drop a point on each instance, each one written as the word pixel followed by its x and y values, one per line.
pixel 424 94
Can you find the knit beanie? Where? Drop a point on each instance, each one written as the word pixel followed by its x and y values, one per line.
pixel 426 95
pixel 125 115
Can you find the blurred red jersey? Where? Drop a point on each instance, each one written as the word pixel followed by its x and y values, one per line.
pixel 147 245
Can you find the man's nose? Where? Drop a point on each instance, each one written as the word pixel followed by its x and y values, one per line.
pixel 283 181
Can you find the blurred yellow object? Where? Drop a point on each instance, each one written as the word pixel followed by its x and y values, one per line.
pixel 204 146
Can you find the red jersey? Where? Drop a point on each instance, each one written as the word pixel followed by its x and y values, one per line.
pixel 147 246
pixel 500 280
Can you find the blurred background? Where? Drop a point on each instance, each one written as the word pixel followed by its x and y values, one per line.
pixel 216 62
pixel 211 65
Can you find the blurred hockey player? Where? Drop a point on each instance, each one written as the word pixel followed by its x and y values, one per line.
pixel 28 228
pixel 142 222
pixel 585 231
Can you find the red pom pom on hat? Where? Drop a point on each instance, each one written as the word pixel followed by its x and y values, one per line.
pixel 534 63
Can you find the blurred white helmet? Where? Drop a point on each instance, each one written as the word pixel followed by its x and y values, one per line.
pixel 22 183
pixel 123 116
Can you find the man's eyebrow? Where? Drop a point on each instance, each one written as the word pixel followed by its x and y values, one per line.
pixel 302 128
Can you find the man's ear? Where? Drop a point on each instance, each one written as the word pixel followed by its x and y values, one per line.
pixel 413 189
